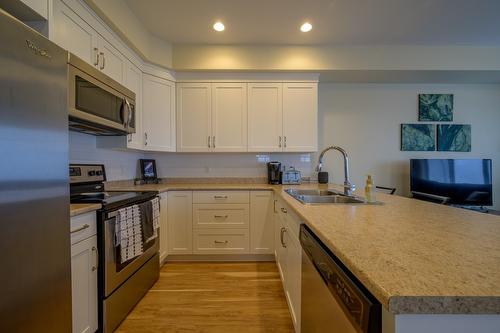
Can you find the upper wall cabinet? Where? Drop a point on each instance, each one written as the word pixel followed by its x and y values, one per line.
pixel 229 117
pixel 283 117
pixel 212 117
pixel 71 32
pixel 158 113
pixel 133 81
pixel 265 117
pixel 194 127
pixel 300 117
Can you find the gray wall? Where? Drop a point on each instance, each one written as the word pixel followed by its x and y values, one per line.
pixel 365 119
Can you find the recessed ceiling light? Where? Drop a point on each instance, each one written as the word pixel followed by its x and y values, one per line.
pixel 218 26
pixel 306 27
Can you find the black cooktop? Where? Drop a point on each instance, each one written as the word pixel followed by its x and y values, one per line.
pixel 112 199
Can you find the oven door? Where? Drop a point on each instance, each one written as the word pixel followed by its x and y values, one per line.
pixel 96 105
pixel 115 272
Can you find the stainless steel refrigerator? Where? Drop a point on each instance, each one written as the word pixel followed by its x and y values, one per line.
pixel 35 257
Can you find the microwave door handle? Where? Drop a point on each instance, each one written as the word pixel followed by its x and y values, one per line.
pixel 123 115
pixel 129 108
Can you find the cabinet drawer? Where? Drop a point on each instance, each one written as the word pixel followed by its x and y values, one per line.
pixel 219 241
pixel 221 215
pixel 83 226
pixel 233 197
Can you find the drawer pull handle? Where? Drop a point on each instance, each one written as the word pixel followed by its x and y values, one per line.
pixel 221 216
pixel 282 233
pixel 220 242
pixel 220 196
pixel 83 227
pixel 284 210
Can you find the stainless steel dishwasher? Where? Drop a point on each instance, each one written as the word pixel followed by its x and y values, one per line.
pixel 332 299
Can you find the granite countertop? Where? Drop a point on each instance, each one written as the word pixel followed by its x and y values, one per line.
pixel 77 209
pixel 413 256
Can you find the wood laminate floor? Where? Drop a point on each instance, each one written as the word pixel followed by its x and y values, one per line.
pixel 212 297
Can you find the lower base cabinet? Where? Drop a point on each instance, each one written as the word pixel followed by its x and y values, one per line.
pixel 84 285
pixel 288 254
pixel 163 226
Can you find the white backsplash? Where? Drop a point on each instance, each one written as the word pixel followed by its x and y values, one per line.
pixel 122 165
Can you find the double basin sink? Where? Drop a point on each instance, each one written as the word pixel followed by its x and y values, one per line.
pixel 323 197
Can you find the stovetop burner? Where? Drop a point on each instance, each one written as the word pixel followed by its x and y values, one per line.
pixel 90 190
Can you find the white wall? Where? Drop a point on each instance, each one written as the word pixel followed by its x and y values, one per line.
pixel 365 119
pixel 119 165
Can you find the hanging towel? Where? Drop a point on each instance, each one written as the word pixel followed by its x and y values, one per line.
pixel 150 214
pixel 128 233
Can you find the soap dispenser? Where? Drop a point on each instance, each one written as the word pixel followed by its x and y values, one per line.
pixel 370 190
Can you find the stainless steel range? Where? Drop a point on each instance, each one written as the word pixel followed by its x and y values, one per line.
pixel 121 283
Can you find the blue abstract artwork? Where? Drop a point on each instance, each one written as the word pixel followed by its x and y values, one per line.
pixel 454 138
pixel 418 137
pixel 435 107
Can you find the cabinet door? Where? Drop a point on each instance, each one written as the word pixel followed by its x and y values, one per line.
pixel 194 117
pixel 158 113
pixel 229 117
pixel 84 285
pixel 293 276
pixel 280 241
pixel 133 81
pixel 163 226
pixel 180 222
pixel 261 222
pixel 300 117
pixel 265 117
pixel 111 61
pixel 74 34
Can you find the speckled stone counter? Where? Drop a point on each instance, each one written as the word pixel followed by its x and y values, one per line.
pixel 413 256
pixel 77 209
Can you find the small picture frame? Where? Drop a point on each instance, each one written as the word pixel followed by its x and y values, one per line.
pixel 148 170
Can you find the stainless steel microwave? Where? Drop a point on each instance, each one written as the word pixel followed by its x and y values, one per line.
pixel 98 105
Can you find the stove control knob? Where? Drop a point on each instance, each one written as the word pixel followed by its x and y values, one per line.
pixel 99 173
pixel 92 173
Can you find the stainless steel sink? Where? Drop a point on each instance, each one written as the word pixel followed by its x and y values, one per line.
pixel 323 197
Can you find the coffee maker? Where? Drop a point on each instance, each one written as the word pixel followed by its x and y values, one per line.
pixel 274 173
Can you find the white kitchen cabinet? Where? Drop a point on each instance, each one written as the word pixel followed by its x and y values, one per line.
pixel 194 128
pixel 84 264
pixel 72 33
pixel 133 81
pixel 229 117
pixel 158 113
pixel 265 117
pixel 111 61
pixel 180 222
pixel 300 117
pixel 163 226
pixel 289 258
pixel 261 222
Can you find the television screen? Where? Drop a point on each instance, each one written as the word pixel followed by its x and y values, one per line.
pixel 465 182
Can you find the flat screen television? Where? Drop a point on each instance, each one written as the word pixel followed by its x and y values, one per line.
pixel 463 182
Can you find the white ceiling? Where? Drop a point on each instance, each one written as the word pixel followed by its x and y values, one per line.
pixel 335 22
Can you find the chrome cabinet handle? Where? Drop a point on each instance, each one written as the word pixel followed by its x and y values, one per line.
pixel 221 242
pixel 213 141
pixel 96 56
pixel 282 233
pixel 221 216
pixel 279 142
pixel 94 249
pixel 145 138
pixel 103 64
pixel 284 142
pixel 129 137
pixel 220 196
pixel 83 227
pixel 274 207
pixel 284 210
pixel 209 146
